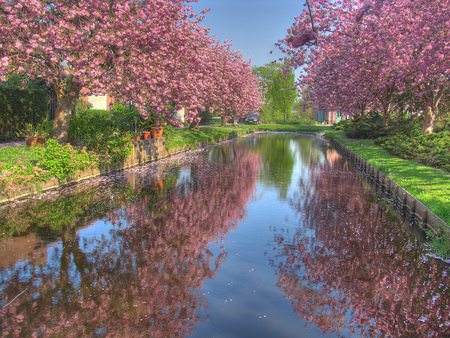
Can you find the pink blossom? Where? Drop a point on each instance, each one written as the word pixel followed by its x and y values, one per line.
pixel 364 9
pixel 303 38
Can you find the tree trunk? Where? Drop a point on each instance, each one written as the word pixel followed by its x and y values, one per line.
pixel 63 113
pixel 430 118
pixel 386 111
pixel 432 97
pixel 223 121
pixel 194 125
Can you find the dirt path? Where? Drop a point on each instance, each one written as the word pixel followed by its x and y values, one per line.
pixel 12 144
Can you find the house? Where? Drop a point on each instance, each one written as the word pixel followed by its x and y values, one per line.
pixel 329 117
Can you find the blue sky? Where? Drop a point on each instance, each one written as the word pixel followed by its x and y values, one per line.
pixel 254 26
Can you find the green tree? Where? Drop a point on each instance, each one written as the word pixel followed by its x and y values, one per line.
pixel 277 81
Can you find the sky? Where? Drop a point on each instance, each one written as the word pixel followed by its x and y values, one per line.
pixel 254 26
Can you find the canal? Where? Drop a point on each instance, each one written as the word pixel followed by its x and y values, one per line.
pixel 266 236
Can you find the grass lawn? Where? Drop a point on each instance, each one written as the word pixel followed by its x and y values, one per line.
pixel 429 185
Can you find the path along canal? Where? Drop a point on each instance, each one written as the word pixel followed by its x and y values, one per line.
pixel 267 236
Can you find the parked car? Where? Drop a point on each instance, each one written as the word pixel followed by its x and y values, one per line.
pixel 252 119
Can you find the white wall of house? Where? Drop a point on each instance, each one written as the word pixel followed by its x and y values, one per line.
pixel 98 101
pixel 179 115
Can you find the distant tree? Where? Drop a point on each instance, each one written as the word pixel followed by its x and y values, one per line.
pixel 277 81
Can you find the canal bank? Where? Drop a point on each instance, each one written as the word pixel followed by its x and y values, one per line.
pixel 145 151
pixel 415 210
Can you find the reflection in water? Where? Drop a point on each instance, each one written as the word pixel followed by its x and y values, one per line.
pixel 159 250
pixel 279 155
pixel 352 265
pixel 141 277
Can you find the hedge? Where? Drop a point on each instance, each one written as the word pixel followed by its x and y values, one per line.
pixel 18 107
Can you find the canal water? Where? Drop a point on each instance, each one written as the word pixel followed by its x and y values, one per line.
pixel 267 236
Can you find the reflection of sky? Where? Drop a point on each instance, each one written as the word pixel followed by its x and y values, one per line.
pixel 243 298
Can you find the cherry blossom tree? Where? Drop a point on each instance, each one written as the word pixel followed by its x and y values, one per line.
pixel 149 52
pixel 365 54
pixel 231 89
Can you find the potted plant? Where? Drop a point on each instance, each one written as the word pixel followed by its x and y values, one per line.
pixel 133 136
pixel 146 125
pixel 30 133
pixel 43 131
pixel 157 132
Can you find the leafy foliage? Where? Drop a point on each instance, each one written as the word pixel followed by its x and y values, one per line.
pixel 363 127
pixel 90 126
pixel 63 160
pixel 430 149
pixel 20 106
pixel 279 96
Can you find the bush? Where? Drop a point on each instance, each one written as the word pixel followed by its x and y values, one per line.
pixel 90 127
pixel 114 149
pixel 63 160
pixel 81 105
pixel 123 121
pixel 369 126
pixel 301 121
pixel 431 149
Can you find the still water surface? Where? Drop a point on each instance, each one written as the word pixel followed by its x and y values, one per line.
pixel 269 236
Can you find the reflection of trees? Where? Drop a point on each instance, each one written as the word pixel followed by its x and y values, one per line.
pixel 142 279
pixel 278 161
pixel 340 273
pixel 47 214
pixel 279 154
pixel 309 150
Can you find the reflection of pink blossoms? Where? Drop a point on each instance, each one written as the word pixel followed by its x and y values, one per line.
pixel 303 38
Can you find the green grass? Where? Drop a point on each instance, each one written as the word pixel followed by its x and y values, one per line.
pixel 429 185
pixel 13 155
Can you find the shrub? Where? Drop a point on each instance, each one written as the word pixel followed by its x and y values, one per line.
pixel 301 121
pixel 124 120
pixel 90 127
pixel 82 105
pixel 431 149
pixel 369 126
pixel 114 149
pixel 63 160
